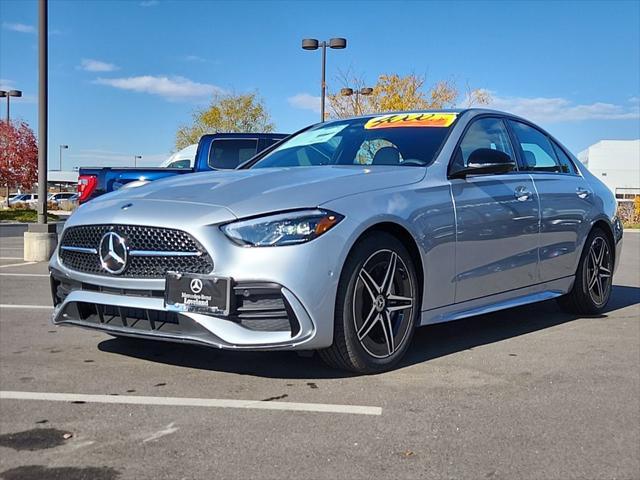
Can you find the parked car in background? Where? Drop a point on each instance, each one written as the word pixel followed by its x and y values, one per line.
pixel 344 238
pixel 184 158
pixel 7 201
pixel 60 196
pixel 218 151
pixel 24 198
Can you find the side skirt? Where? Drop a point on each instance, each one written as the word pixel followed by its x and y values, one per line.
pixel 499 301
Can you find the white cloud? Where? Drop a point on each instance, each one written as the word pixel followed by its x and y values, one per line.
pixel 558 109
pixel 6 84
pixel 172 88
pixel 305 101
pixel 149 3
pixel 91 65
pixel 194 58
pixel 19 27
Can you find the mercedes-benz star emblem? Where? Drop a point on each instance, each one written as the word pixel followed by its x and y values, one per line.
pixel 196 285
pixel 113 253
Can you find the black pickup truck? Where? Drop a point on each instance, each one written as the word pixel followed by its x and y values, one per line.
pixel 217 151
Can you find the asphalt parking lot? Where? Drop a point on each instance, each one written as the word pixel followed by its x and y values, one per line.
pixel 525 393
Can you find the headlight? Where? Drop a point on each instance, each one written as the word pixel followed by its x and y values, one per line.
pixel 289 228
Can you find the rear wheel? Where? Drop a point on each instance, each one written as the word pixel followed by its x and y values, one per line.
pixel 592 287
pixel 376 307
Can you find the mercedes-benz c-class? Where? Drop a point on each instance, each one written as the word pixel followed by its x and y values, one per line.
pixel 345 237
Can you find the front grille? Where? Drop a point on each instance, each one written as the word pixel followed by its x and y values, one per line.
pixel 124 316
pixel 153 251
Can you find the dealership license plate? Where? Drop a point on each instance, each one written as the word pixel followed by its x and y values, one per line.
pixel 197 293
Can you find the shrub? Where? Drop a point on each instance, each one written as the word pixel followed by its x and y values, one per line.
pixel 629 212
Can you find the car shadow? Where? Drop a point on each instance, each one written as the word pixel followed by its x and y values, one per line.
pixel 429 342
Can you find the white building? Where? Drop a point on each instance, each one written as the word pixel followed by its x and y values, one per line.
pixel 617 164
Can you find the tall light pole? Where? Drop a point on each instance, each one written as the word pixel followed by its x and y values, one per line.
pixel 62 147
pixel 9 94
pixel 313 44
pixel 43 111
pixel 135 160
pixel 40 239
pixel 347 92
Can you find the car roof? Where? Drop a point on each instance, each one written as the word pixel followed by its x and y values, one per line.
pixel 471 111
pixel 459 111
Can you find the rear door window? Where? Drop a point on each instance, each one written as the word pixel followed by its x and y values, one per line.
pixel 536 150
pixel 229 153
pixel 566 164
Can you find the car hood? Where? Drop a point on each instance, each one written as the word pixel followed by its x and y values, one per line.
pixel 262 190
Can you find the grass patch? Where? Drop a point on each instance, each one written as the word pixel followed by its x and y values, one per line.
pixel 29 216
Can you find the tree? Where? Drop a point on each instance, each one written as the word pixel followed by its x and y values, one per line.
pixel 393 92
pixel 242 113
pixel 18 156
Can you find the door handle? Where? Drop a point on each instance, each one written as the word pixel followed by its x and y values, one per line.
pixel 582 193
pixel 522 194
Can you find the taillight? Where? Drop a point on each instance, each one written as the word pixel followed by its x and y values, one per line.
pixel 86 185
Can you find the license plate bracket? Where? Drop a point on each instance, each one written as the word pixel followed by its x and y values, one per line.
pixel 186 292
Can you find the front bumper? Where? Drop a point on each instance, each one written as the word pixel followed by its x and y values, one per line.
pixel 305 276
pixel 140 313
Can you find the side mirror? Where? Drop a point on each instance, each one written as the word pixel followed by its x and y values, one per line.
pixel 485 161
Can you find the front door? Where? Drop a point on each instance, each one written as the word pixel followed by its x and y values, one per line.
pixel 497 218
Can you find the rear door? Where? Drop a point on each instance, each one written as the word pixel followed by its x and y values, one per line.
pixel 496 219
pixel 565 200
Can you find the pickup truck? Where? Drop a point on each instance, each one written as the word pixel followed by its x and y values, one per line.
pixel 217 151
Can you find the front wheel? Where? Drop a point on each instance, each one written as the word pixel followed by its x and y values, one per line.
pixel 377 306
pixel 592 286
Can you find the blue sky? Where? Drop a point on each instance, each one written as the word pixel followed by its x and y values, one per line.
pixel 125 74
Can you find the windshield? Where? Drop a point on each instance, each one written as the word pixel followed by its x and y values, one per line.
pixel 395 139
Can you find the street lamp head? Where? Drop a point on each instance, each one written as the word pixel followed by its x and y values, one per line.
pixel 14 93
pixel 64 146
pixel 366 91
pixel 3 93
pixel 310 44
pixel 346 92
pixel 338 43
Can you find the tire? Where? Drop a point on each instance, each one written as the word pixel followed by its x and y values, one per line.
pixel 592 286
pixel 375 314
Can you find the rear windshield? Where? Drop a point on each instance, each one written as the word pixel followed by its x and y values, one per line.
pixel 399 140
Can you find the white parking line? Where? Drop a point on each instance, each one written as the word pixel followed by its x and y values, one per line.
pixel 38 307
pixel 24 275
pixel 18 264
pixel 10 258
pixel 192 402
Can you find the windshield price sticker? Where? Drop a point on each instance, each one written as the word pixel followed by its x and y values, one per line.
pixel 318 135
pixel 411 120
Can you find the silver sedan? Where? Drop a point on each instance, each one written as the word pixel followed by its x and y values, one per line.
pixel 344 238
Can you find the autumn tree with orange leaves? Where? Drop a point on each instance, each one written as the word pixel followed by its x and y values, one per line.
pixel 18 156
pixel 393 92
